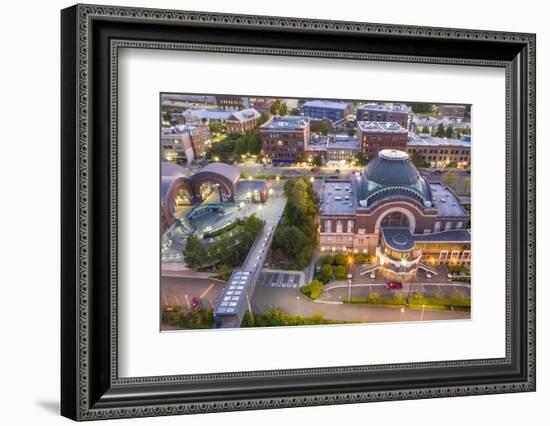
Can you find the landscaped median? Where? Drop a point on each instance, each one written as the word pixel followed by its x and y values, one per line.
pixel 417 301
pixel 279 318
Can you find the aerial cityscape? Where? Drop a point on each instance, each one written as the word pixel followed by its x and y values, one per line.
pixel 309 212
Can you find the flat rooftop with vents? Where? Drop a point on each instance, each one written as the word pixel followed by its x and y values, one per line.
pixel 338 198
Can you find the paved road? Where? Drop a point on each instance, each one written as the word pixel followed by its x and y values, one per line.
pixel 173 291
pixel 294 303
pixel 339 292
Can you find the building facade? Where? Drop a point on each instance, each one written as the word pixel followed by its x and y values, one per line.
pixel 397 113
pixel 285 138
pixel 176 147
pixel 261 104
pixel 185 143
pixel 232 102
pixel 390 211
pixel 440 151
pixel 376 136
pixel 326 110
pixel 454 112
pixel 241 121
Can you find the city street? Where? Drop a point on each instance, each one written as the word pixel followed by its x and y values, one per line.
pixel 294 303
pixel 340 291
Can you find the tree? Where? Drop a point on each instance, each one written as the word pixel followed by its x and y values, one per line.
pixel 341 272
pixel 216 127
pixel 294 111
pixel 317 160
pixel 449 132
pixel 340 259
pixel 452 165
pixel 283 109
pixel 264 116
pixel 449 179
pixel 418 160
pixel 326 273
pixel 275 107
pixel 352 132
pixel 361 159
pixel 195 252
pixel 440 132
pixel 426 130
pixel 324 128
pixel 422 108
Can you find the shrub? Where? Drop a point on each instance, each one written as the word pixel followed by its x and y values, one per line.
pixel 316 288
pixel 326 260
pixel 374 297
pixel 326 273
pixel 313 290
pixel 340 259
pixel 341 272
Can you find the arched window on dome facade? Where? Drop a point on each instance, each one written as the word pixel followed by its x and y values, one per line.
pixel 395 219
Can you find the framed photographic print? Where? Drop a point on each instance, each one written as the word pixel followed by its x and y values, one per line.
pixel 263 212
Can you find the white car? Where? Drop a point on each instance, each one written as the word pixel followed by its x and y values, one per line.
pixel 372 275
pixel 428 275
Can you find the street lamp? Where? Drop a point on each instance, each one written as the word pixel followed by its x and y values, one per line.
pixel 298 305
pixel 350 261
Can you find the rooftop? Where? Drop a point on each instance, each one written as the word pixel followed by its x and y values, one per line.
pixel 287 122
pixel 388 108
pixel 228 171
pixel 445 200
pixel 427 140
pixel 432 122
pixel 327 104
pixel 381 127
pixel 338 198
pixel 391 173
pixel 401 239
pixel 244 115
pixel 207 114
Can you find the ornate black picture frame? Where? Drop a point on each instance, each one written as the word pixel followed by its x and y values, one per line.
pixel 91 36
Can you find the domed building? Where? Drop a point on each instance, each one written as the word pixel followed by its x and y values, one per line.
pixel 389 210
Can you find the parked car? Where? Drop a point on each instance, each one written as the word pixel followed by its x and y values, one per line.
pixel 428 275
pixel 314 169
pixel 372 275
pixel 394 284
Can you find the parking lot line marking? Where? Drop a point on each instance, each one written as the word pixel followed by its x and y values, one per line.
pixel 165 300
pixel 177 301
pixel 207 290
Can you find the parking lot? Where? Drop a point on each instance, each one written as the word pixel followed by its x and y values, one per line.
pixel 278 280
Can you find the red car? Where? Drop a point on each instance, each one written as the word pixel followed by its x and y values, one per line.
pixel 394 284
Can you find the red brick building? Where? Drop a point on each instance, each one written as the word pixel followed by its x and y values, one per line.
pixel 376 136
pixel 285 139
